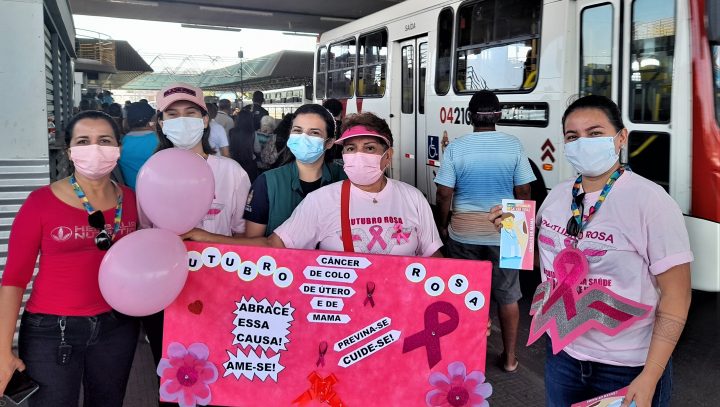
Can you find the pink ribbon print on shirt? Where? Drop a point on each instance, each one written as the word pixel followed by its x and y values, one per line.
pixel 559 310
pixel 379 240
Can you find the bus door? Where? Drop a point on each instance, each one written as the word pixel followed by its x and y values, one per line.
pixel 413 68
pixel 630 60
pixel 655 99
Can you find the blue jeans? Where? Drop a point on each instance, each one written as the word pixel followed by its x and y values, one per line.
pixel 569 381
pixel 102 353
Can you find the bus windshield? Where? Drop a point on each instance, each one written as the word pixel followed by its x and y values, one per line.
pixel 498 45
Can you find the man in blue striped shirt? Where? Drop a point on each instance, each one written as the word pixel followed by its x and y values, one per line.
pixel 477 171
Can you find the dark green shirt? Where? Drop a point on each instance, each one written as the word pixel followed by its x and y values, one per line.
pixel 275 193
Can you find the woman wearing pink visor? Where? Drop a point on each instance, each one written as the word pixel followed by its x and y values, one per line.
pixel 368 213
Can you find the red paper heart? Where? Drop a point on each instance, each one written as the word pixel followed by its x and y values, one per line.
pixel 196 307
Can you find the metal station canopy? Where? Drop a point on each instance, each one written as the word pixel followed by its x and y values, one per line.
pixel 304 16
pixel 277 70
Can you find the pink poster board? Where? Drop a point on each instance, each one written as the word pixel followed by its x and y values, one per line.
pixel 285 327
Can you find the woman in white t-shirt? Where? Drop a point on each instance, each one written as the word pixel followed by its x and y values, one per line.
pixel 616 260
pixel 183 122
pixel 379 215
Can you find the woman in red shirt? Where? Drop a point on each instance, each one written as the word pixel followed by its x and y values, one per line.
pixel 68 334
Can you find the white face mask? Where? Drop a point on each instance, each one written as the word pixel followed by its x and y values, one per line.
pixel 184 132
pixel 592 156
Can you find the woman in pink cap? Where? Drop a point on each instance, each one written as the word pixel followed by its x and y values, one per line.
pixel 368 213
pixel 183 122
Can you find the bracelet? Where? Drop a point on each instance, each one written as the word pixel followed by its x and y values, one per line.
pixel 656 363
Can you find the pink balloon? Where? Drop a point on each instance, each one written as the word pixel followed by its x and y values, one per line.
pixel 175 189
pixel 144 272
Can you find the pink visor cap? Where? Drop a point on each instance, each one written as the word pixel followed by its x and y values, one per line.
pixel 179 91
pixel 357 131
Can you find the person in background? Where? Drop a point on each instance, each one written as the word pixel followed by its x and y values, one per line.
pixel 124 110
pixel 647 261
pixel 262 137
pixel 139 143
pixel 224 116
pixel 69 336
pixel 276 193
pixel 403 221
pixel 476 172
pixel 218 135
pixel 115 111
pixel 84 105
pixel 107 98
pixel 282 133
pixel 335 107
pixel 242 140
pixel 258 112
pixel 94 104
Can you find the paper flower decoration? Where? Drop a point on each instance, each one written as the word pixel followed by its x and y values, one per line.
pixel 186 375
pixel 458 388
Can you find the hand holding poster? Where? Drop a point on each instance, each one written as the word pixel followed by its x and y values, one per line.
pixel 612 399
pixel 259 326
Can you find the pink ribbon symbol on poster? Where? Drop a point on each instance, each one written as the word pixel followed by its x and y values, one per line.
pixel 259 327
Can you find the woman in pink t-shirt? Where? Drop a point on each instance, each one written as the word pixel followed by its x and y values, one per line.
pixel 369 213
pixel 616 260
pixel 68 334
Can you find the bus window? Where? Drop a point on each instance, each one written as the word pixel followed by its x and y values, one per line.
pixel 444 51
pixel 422 72
pixel 498 45
pixel 341 66
pixel 649 155
pixel 321 71
pixel 597 51
pixel 372 58
pixel 406 79
pixel 651 53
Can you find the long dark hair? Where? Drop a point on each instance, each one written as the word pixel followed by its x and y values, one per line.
pixel 244 122
pixel 164 142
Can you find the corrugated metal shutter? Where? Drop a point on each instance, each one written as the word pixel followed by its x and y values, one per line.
pixel 17 179
pixel 49 98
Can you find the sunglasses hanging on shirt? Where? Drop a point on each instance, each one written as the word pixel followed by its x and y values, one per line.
pixel 96 219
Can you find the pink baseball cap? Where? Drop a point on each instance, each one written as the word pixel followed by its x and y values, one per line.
pixel 179 91
pixel 357 131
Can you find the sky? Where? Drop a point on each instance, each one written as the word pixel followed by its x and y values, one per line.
pixel 193 41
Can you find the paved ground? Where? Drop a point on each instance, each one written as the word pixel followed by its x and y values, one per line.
pixel 697 362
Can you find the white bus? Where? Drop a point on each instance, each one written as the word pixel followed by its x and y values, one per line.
pixel 280 102
pixel 417 64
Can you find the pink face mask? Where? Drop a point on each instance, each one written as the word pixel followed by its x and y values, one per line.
pixel 363 168
pixel 94 161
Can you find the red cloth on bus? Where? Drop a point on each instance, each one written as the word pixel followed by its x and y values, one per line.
pixel 67 280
